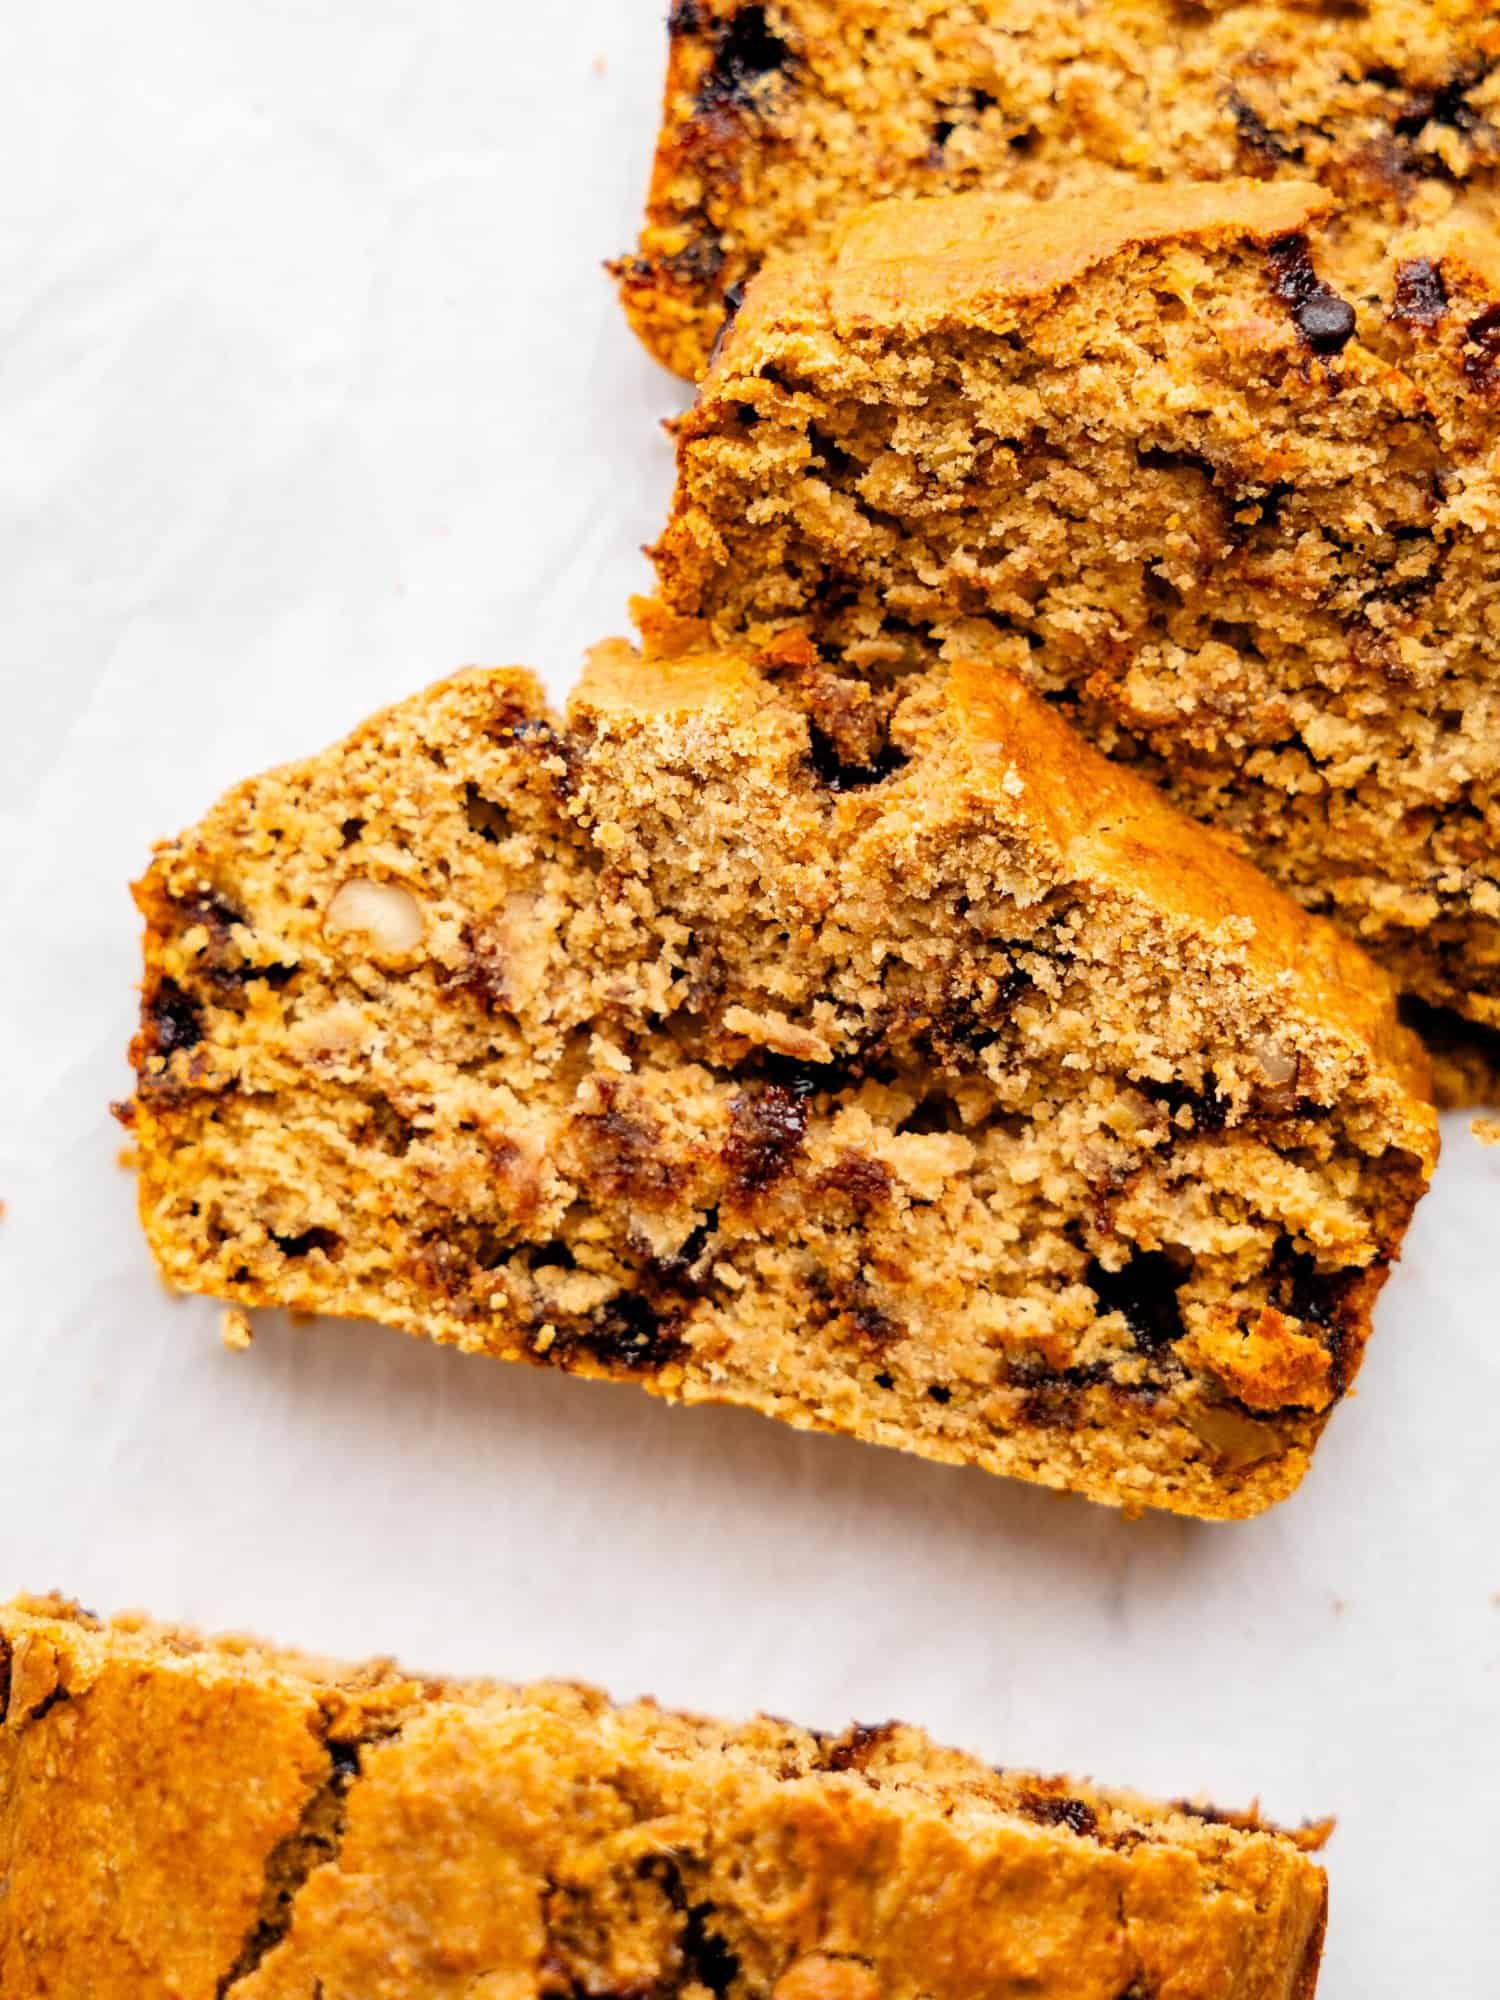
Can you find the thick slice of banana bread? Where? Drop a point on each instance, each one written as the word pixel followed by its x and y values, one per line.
pixel 212 1818
pixel 1133 447
pixel 887 1062
pixel 780 118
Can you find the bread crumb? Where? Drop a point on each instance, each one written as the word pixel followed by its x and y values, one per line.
pixel 1486 1131
pixel 235 1330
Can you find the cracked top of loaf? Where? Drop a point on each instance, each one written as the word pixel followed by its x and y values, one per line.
pixel 964 260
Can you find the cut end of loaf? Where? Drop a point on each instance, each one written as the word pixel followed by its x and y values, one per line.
pixel 879 1059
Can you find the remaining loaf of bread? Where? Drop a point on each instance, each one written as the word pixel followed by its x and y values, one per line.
pixel 881 1059
pixel 780 118
pixel 1134 447
pixel 206 1819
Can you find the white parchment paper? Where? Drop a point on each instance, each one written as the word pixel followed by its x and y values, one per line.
pixel 312 389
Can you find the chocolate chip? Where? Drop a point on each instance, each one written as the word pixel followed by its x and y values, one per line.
pixel 955 1033
pixel 1144 1292
pixel 627 1158
pixel 697 262
pixel 1073 1813
pixel 215 912
pixel 748 50
pixel 1210 1111
pixel 1318 1298
pixel 1482 353
pixel 1256 136
pixel 852 1750
pixel 866 1182
pixel 683 18
pixel 766 1133
pixel 1449 105
pixel 310 1239
pixel 706 1958
pixel 1421 295
pixel 172 1019
pixel 875 1328
pixel 628 1333
pixel 511 724
pixel 734 298
pixel 938 1394
pixel 1325 321
pixel 1052 1397
pixel 221 960
pixel 1210 1815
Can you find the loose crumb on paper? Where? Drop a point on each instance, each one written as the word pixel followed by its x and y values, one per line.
pixel 1486 1131
pixel 235 1330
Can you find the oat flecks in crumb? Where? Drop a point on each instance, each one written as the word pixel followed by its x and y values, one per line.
pixel 561 1834
pixel 768 140
pixel 763 1045
pixel 1041 436
pixel 235 1330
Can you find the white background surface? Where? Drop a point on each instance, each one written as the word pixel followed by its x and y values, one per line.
pixel 311 389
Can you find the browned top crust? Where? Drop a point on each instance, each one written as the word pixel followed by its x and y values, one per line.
pixel 202 1818
pixel 963 261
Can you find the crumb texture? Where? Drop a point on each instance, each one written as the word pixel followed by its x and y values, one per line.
pixel 778 119
pixel 1142 449
pixel 214 1818
pixel 883 1061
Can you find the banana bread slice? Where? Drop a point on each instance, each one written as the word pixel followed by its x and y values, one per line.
pixel 778 119
pixel 213 1818
pixel 886 1062
pixel 1134 447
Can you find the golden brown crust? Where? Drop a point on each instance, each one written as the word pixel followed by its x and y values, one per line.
pixel 208 1819
pixel 967 261
pixel 882 1061
pixel 778 120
